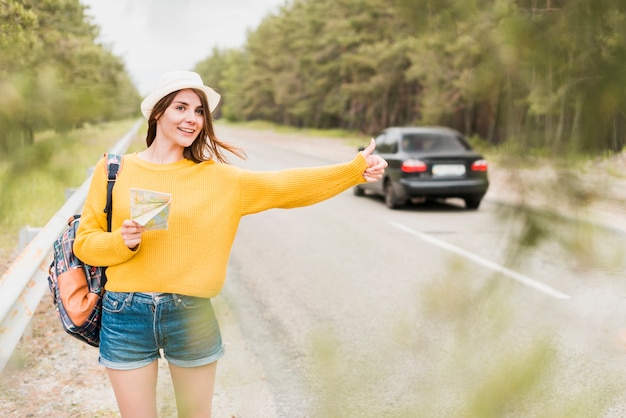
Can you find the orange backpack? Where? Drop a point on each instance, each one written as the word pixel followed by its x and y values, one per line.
pixel 76 287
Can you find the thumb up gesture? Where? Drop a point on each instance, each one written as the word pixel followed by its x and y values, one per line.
pixel 376 164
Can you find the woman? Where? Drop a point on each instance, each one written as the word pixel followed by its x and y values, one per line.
pixel 161 281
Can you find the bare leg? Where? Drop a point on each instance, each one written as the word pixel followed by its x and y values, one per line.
pixel 194 390
pixel 135 391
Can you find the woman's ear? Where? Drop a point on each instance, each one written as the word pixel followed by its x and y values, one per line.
pixel 158 116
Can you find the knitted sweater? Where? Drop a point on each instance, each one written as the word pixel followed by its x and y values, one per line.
pixel 208 201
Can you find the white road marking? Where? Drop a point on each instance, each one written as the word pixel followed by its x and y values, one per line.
pixel 484 262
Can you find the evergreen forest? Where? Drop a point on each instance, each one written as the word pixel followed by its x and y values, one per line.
pixel 54 75
pixel 526 73
pixel 522 74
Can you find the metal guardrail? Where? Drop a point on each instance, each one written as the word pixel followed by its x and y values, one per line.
pixel 23 285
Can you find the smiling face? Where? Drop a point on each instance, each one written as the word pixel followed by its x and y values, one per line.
pixel 182 121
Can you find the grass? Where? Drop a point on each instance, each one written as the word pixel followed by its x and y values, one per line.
pixel 34 180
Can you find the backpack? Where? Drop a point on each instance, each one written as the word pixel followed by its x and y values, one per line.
pixel 76 287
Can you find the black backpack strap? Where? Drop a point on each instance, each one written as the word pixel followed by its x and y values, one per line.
pixel 114 162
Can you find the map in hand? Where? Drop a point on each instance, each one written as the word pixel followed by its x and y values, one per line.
pixel 150 209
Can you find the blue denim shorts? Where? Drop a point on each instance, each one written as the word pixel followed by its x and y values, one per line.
pixel 137 326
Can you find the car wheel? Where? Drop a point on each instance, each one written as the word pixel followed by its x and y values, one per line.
pixel 390 197
pixel 358 191
pixel 472 202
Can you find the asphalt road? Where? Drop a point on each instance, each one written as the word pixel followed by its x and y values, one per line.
pixel 349 309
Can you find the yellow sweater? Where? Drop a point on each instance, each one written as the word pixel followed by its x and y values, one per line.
pixel 208 201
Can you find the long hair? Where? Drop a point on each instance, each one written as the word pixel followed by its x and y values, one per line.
pixel 206 145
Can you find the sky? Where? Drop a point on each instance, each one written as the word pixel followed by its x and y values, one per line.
pixel 156 36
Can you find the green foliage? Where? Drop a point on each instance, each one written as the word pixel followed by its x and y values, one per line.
pixel 33 183
pixel 543 74
pixel 53 74
pixel 17 36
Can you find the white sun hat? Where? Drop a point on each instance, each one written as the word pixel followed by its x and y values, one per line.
pixel 174 81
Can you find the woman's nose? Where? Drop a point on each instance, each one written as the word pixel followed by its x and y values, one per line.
pixel 190 116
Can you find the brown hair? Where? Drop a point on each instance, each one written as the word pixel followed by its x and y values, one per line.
pixel 206 145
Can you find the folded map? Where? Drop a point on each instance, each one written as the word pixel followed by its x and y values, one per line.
pixel 150 209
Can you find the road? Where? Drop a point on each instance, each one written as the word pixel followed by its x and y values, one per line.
pixel 349 309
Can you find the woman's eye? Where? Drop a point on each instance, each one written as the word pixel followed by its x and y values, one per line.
pixel 180 107
pixel 200 111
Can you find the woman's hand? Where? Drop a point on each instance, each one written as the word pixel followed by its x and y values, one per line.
pixel 376 164
pixel 131 233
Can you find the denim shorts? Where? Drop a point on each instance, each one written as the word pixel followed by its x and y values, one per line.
pixel 137 326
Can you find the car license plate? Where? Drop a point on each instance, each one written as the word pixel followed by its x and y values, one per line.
pixel 448 170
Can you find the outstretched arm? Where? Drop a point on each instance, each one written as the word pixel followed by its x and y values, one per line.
pixel 376 164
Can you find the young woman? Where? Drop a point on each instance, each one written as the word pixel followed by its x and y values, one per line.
pixel 161 281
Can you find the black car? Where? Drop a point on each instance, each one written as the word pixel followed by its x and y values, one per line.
pixel 428 163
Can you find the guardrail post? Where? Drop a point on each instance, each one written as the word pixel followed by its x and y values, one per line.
pixel 26 235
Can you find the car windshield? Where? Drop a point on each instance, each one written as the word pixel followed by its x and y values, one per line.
pixel 431 142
